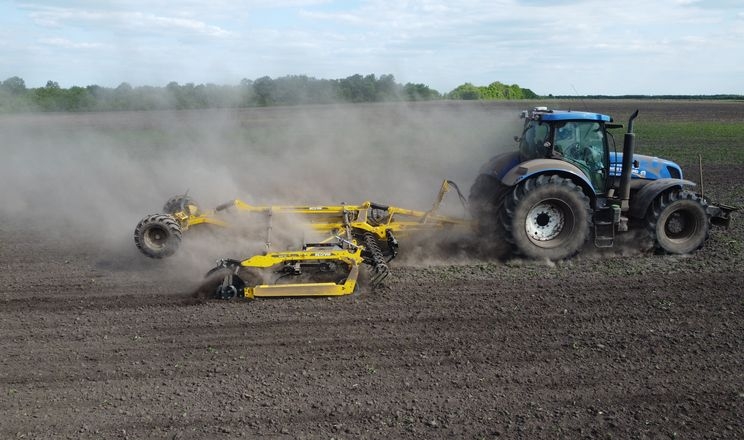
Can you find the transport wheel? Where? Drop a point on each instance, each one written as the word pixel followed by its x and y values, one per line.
pixel 486 201
pixel 226 285
pixel 547 217
pixel 679 222
pixel 178 203
pixel 157 235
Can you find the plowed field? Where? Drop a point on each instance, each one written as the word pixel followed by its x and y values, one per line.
pixel 97 341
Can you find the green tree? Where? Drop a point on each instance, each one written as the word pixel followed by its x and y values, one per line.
pixel 495 90
pixel 264 89
pixel 465 91
pixel 419 92
pixel 355 88
pixel 386 89
pixel 14 85
pixel 49 97
pixel 77 99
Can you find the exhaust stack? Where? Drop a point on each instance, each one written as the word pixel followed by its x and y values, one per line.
pixel 627 166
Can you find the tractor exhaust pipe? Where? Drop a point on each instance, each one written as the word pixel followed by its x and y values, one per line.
pixel 627 166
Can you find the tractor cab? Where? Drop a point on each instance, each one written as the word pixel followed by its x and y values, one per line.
pixel 576 137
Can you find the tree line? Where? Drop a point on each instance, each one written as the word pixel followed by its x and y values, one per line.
pixel 715 97
pixel 265 91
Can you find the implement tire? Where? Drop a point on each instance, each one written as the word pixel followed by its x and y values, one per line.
pixel 547 217
pixel 178 203
pixel 211 287
pixel 157 235
pixel 486 201
pixel 678 222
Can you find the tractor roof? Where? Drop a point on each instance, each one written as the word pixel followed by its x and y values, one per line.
pixel 543 113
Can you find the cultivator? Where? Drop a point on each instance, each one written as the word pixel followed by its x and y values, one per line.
pixel 322 269
pixel 355 246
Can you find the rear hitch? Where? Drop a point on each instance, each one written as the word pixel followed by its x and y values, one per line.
pixel 720 214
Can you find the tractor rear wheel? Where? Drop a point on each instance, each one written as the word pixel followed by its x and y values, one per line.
pixel 547 217
pixel 157 235
pixel 678 221
pixel 486 201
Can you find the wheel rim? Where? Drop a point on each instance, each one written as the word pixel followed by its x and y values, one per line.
pixel 546 222
pixel 680 226
pixel 156 237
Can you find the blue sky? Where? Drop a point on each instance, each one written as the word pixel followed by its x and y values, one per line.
pixel 558 46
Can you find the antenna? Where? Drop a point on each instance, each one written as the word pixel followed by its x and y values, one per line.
pixel 583 103
pixel 700 167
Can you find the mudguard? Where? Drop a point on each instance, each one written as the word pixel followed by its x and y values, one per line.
pixel 541 166
pixel 640 202
pixel 499 165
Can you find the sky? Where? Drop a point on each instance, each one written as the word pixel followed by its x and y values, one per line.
pixel 560 47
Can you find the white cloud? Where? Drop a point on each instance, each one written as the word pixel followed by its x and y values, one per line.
pixel 136 21
pixel 67 44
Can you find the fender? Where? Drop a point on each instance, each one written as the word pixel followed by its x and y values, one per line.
pixel 640 202
pixel 498 166
pixel 542 166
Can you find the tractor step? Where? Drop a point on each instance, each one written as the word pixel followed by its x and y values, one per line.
pixel 604 234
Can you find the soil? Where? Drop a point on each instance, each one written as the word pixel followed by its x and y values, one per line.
pixel 612 344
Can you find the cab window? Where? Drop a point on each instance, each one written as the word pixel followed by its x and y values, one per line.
pixel 532 143
pixel 583 143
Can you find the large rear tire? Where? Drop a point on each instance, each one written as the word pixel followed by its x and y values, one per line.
pixel 157 235
pixel 486 201
pixel 547 217
pixel 678 222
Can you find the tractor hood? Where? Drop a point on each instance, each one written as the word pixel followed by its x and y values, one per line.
pixel 646 167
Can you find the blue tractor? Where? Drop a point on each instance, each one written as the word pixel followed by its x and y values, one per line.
pixel 567 185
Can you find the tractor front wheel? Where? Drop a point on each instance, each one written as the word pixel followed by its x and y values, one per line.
pixel 678 221
pixel 157 235
pixel 547 217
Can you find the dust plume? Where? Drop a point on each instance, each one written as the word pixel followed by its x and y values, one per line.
pixel 86 179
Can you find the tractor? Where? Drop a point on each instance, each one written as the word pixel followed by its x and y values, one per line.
pixel 567 184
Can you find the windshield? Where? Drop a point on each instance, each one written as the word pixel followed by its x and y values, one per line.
pixel 583 143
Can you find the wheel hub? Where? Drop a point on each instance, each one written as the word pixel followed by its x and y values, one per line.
pixel 679 226
pixel 226 292
pixel 545 221
pixel 156 238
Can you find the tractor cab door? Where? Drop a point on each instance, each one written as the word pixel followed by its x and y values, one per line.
pixel 532 143
pixel 584 144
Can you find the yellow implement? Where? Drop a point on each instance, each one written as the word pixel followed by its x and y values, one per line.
pixel 353 239
pixel 317 271
pixel 369 217
pixel 159 235
pixel 358 239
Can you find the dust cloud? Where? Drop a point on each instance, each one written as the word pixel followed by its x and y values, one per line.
pixel 87 179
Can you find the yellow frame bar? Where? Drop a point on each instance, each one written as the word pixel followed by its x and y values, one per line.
pixel 352 258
